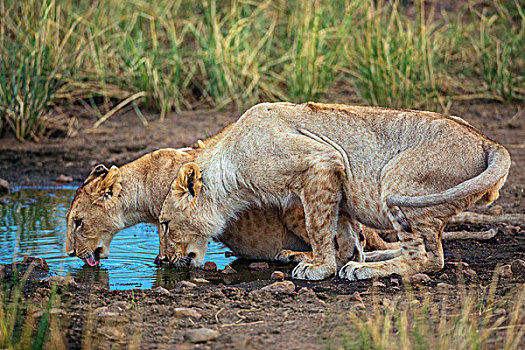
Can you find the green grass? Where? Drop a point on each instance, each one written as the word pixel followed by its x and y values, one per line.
pixel 476 319
pixel 19 327
pixel 172 55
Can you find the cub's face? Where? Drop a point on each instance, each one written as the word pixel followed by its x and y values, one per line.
pixel 182 243
pixel 93 218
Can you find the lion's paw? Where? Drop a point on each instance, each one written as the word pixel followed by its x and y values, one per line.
pixel 354 271
pixel 289 256
pixel 309 271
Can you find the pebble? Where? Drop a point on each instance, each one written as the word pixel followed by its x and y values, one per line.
pixel 228 270
pixel 200 281
pixel 4 186
pixel 61 280
pixel 210 266
pixel 356 297
pixel 506 271
pixel 277 275
pixel 378 284
pixel 259 266
pixel 280 287
pixel 470 273
pixel 185 284
pixel 200 335
pixel 442 285
pixel 186 312
pixel 420 278
pixel 38 262
pixel 53 311
pixel 161 290
pixel 64 179
pixel 518 267
pixel 104 312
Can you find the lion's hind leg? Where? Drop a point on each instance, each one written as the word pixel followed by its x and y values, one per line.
pixel 420 250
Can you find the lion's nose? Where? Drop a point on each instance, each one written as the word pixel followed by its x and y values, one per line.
pixel 161 259
pixel 72 252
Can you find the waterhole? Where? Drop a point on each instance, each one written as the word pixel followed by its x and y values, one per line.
pixel 33 223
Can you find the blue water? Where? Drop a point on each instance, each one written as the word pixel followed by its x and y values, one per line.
pixel 33 223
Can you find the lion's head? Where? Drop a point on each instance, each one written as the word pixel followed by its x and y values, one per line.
pixel 93 217
pixel 182 242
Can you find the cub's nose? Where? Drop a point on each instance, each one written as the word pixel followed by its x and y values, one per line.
pixel 72 252
pixel 161 259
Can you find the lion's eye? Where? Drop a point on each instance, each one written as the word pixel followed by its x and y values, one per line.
pixel 165 226
pixel 77 223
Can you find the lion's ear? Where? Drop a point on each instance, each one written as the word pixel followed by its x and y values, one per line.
pixel 97 171
pixel 188 181
pixel 108 188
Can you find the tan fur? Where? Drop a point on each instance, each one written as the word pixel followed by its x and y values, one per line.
pixel 388 169
pixel 110 200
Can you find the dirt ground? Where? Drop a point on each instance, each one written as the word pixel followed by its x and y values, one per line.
pixel 311 315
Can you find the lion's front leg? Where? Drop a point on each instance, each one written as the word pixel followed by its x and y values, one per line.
pixel 320 193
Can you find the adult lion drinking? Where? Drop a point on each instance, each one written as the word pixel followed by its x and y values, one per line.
pixel 388 169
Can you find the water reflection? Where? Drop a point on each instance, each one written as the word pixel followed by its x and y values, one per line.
pixel 32 222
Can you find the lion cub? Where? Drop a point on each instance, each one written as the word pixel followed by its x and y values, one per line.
pixel 388 169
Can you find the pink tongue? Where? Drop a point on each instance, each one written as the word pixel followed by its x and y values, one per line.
pixel 91 262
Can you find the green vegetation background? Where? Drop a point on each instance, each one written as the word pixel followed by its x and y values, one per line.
pixel 172 55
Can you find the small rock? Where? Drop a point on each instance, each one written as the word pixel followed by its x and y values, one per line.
pixel 161 290
pixel 518 267
pixel 60 280
pixel 470 273
pixel 200 281
pixel 506 271
pixel 277 275
pixel 4 186
pixel 259 266
pixel 38 262
pixel 499 311
pixel 185 285
pixel 228 270
pixel 53 311
pixel 378 284
pixel 443 276
pixel 496 210
pixel 186 312
pixel 415 302
pixel 104 312
pixel 356 297
pixel 511 229
pixel 443 285
pixel 63 179
pixel 200 335
pixel 210 266
pixel 280 287
pixel 394 281
pixel 419 278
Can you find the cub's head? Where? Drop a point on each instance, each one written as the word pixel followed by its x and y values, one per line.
pixel 93 217
pixel 182 241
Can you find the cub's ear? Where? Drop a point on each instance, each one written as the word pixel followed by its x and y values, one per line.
pixel 108 188
pixel 198 144
pixel 97 171
pixel 189 181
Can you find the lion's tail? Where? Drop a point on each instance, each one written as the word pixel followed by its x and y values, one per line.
pixel 498 164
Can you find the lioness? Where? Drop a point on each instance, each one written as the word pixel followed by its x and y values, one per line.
pixel 113 199
pixel 388 169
